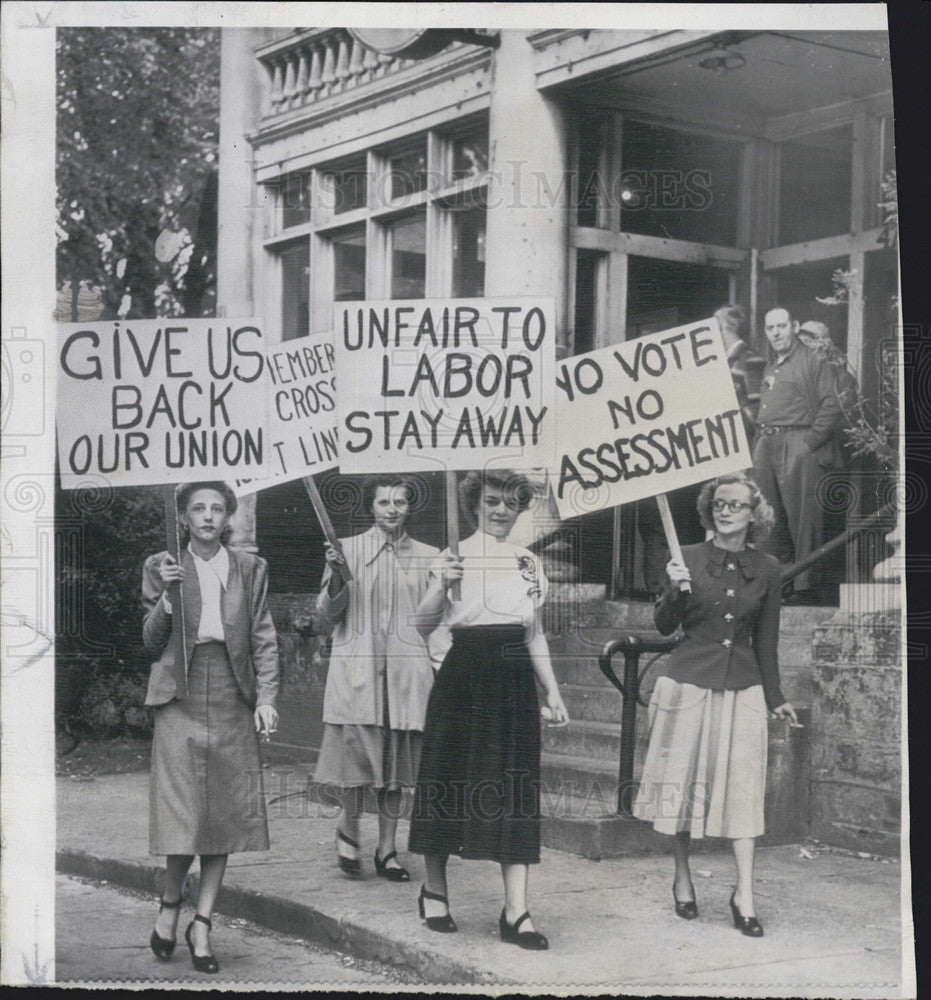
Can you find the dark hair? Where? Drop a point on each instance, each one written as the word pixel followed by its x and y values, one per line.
pixel 785 309
pixel 763 517
pixel 733 315
pixel 184 493
pixel 508 481
pixel 371 484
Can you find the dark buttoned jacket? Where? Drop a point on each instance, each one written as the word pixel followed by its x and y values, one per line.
pixel 251 640
pixel 729 619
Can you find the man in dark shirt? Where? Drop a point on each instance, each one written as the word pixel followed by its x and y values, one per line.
pixel 795 442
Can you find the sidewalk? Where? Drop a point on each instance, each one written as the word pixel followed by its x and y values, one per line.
pixel 832 921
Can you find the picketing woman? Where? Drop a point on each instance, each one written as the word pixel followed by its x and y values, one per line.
pixel 379 675
pixel 705 768
pixel 478 792
pixel 206 795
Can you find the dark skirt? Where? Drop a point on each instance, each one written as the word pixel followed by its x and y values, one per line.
pixel 205 791
pixel 478 791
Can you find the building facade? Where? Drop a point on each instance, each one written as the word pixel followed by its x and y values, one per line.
pixel 642 178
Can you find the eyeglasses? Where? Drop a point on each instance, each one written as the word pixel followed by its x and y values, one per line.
pixel 734 506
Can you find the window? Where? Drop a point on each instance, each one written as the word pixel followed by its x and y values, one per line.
pixel 586 273
pixel 469 152
pixel 295 200
pixel 589 193
pixel 815 185
pixel 295 289
pixel 408 256
pixel 469 253
pixel 408 171
pixel 348 187
pixel 349 266
pixel 678 185
pixel 665 293
pixel 400 221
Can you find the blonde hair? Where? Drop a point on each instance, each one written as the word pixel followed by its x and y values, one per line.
pixel 763 516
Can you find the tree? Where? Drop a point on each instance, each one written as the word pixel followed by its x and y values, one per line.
pixel 137 133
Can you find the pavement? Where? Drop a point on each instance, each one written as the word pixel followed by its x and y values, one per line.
pixel 119 951
pixel 833 920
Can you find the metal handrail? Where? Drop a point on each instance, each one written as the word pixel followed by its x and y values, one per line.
pixel 793 570
pixel 633 646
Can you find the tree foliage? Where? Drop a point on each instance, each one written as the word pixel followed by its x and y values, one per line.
pixel 137 132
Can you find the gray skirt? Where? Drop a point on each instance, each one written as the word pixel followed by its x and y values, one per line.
pixel 705 768
pixel 374 756
pixel 205 792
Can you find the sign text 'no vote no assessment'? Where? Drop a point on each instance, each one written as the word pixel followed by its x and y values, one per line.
pixel 645 417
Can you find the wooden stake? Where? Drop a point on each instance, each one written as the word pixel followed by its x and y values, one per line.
pixel 175 595
pixel 452 527
pixel 326 524
pixel 672 540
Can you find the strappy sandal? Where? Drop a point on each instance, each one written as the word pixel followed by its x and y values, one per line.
pixel 161 947
pixel 202 963
pixel 399 874
pixel 350 866
pixel 531 940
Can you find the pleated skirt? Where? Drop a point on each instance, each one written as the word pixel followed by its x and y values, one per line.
pixel 478 791
pixel 353 756
pixel 206 794
pixel 705 768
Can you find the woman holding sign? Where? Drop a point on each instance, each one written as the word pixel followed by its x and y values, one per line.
pixel 206 794
pixel 705 769
pixel 478 792
pixel 380 673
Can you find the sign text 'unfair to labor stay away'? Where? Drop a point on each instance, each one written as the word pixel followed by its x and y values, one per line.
pixel 445 383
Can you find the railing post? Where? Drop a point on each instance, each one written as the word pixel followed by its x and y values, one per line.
pixel 625 777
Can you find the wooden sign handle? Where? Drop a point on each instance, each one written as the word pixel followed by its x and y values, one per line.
pixel 452 527
pixel 326 524
pixel 669 528
pixel 175 595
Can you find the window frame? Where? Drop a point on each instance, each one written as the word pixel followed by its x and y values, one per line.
pixel 439 200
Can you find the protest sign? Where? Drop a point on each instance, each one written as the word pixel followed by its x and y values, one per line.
pixel 645 417
pixel 302 412
pixel 452 383
pixel 149 401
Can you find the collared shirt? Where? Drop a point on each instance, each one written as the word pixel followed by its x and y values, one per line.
pixel 730 621
pixel 799 391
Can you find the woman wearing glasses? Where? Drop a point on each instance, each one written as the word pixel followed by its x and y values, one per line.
pixel 705 769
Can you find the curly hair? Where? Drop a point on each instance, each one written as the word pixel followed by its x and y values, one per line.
pixel 763 517
pixel 184 493
pixel 511 483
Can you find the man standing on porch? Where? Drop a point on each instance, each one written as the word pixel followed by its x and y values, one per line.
pixel 795 443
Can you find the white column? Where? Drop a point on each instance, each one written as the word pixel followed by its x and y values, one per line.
pixel 239 208
pixel 527 228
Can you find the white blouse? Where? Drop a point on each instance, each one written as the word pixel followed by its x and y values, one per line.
pixel 502 584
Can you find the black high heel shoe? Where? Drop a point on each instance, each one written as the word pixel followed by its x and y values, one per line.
pixel 161 947
pixel 202 963
pixel 350 866
pixel 531 940
pixel 444 924
pixel 399 874
pixel 746 925
pixel 688 909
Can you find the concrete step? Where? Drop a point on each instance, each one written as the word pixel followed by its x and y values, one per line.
pixel 590 703
pixel 595 740
pixel 581 777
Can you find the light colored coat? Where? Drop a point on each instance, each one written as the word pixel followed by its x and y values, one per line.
pixel 367 664
pixel 251 640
